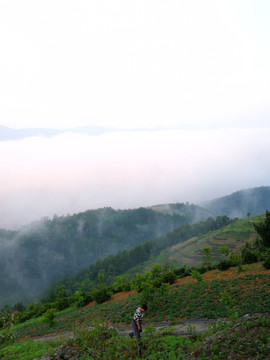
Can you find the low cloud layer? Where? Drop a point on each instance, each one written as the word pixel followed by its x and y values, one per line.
pixel 69 173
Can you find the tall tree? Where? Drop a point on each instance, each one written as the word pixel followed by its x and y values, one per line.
pixel 263 229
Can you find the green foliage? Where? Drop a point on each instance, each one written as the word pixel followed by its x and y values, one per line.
pixel 102 343
pixel 7 335
pixel 266 262
pixel 121 284
pixel 226 299
pixel 26 350
pixel 250 255
pixel 263 229
pixel 102 293
pixel 78 298
pixel 49 317
pixel 224 250
pixel 225 264
pixel 207 257
pixel 130 261
pixel 245 338
pixel 72 243
pixel 98 343
pixel 233 260
pixel 154 285
pixel 196 275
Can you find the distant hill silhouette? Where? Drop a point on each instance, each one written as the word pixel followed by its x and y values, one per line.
pixel 9 134
pixel 253 201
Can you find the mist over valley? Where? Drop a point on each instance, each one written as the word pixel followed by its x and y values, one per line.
pixel 47 250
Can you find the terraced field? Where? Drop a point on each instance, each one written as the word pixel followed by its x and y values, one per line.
pixel 190 252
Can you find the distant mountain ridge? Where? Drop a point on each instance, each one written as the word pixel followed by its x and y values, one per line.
pixel 9 134
pixel 248 202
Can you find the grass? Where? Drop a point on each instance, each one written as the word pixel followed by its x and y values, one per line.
pixel 26 350
pixel 240 339
pixel 192 299
pixel 188 299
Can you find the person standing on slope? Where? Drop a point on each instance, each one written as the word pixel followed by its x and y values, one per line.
pixel 137 322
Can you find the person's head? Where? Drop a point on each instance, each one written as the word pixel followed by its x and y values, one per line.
pixel 144 307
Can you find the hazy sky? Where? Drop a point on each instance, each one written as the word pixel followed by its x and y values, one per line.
pixel 196 70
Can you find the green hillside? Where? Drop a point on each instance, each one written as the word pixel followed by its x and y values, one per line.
pixel 228 295
pixel 234 236
pixel 138 259
pixel 48 250
pixel 235 305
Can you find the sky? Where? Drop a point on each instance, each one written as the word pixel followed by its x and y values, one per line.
pixel 193 76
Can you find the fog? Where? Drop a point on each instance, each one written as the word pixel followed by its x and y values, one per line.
pixel 70 173
pixel 200 69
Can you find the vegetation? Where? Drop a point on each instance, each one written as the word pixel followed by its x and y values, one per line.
pixel 250 202
pixel 214 297
pixel 225 293
pixel 138 259
pixel 48 250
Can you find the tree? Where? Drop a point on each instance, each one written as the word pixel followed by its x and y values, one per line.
pixel 263 229
pixel 102 292
pixel 207 257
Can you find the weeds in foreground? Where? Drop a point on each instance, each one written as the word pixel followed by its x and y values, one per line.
pixel 27 350
pixel 247 337
pixel 105 344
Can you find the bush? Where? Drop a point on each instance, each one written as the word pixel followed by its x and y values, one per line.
pixel 7 334
pixel 101 295
pixel 121 284
pixel 196 275
pixel 250 256
pixel 225 264
pixel 266 263
pixel 49 317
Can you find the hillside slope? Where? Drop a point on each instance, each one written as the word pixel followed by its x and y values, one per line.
pixel 176 314
pixel 190 253
pixel 254 201
pixel 48 250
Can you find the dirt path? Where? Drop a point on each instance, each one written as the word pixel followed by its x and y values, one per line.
pixel 179 329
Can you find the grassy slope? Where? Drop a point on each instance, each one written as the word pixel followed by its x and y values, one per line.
pixel 190 252
pixel 188 298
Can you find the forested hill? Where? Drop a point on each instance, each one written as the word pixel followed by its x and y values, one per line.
pixel 250 201
pixel 48 250
pixel 136 260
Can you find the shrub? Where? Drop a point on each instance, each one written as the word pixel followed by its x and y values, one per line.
pixel 225 264
pixel 266 263
pixel 49 317
pixel 263 229
pixel 121 284
pixel 101 295
pixel 196 275
pixel 153 285
pixel 7 334
pixel 250 256
pixel 182 271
